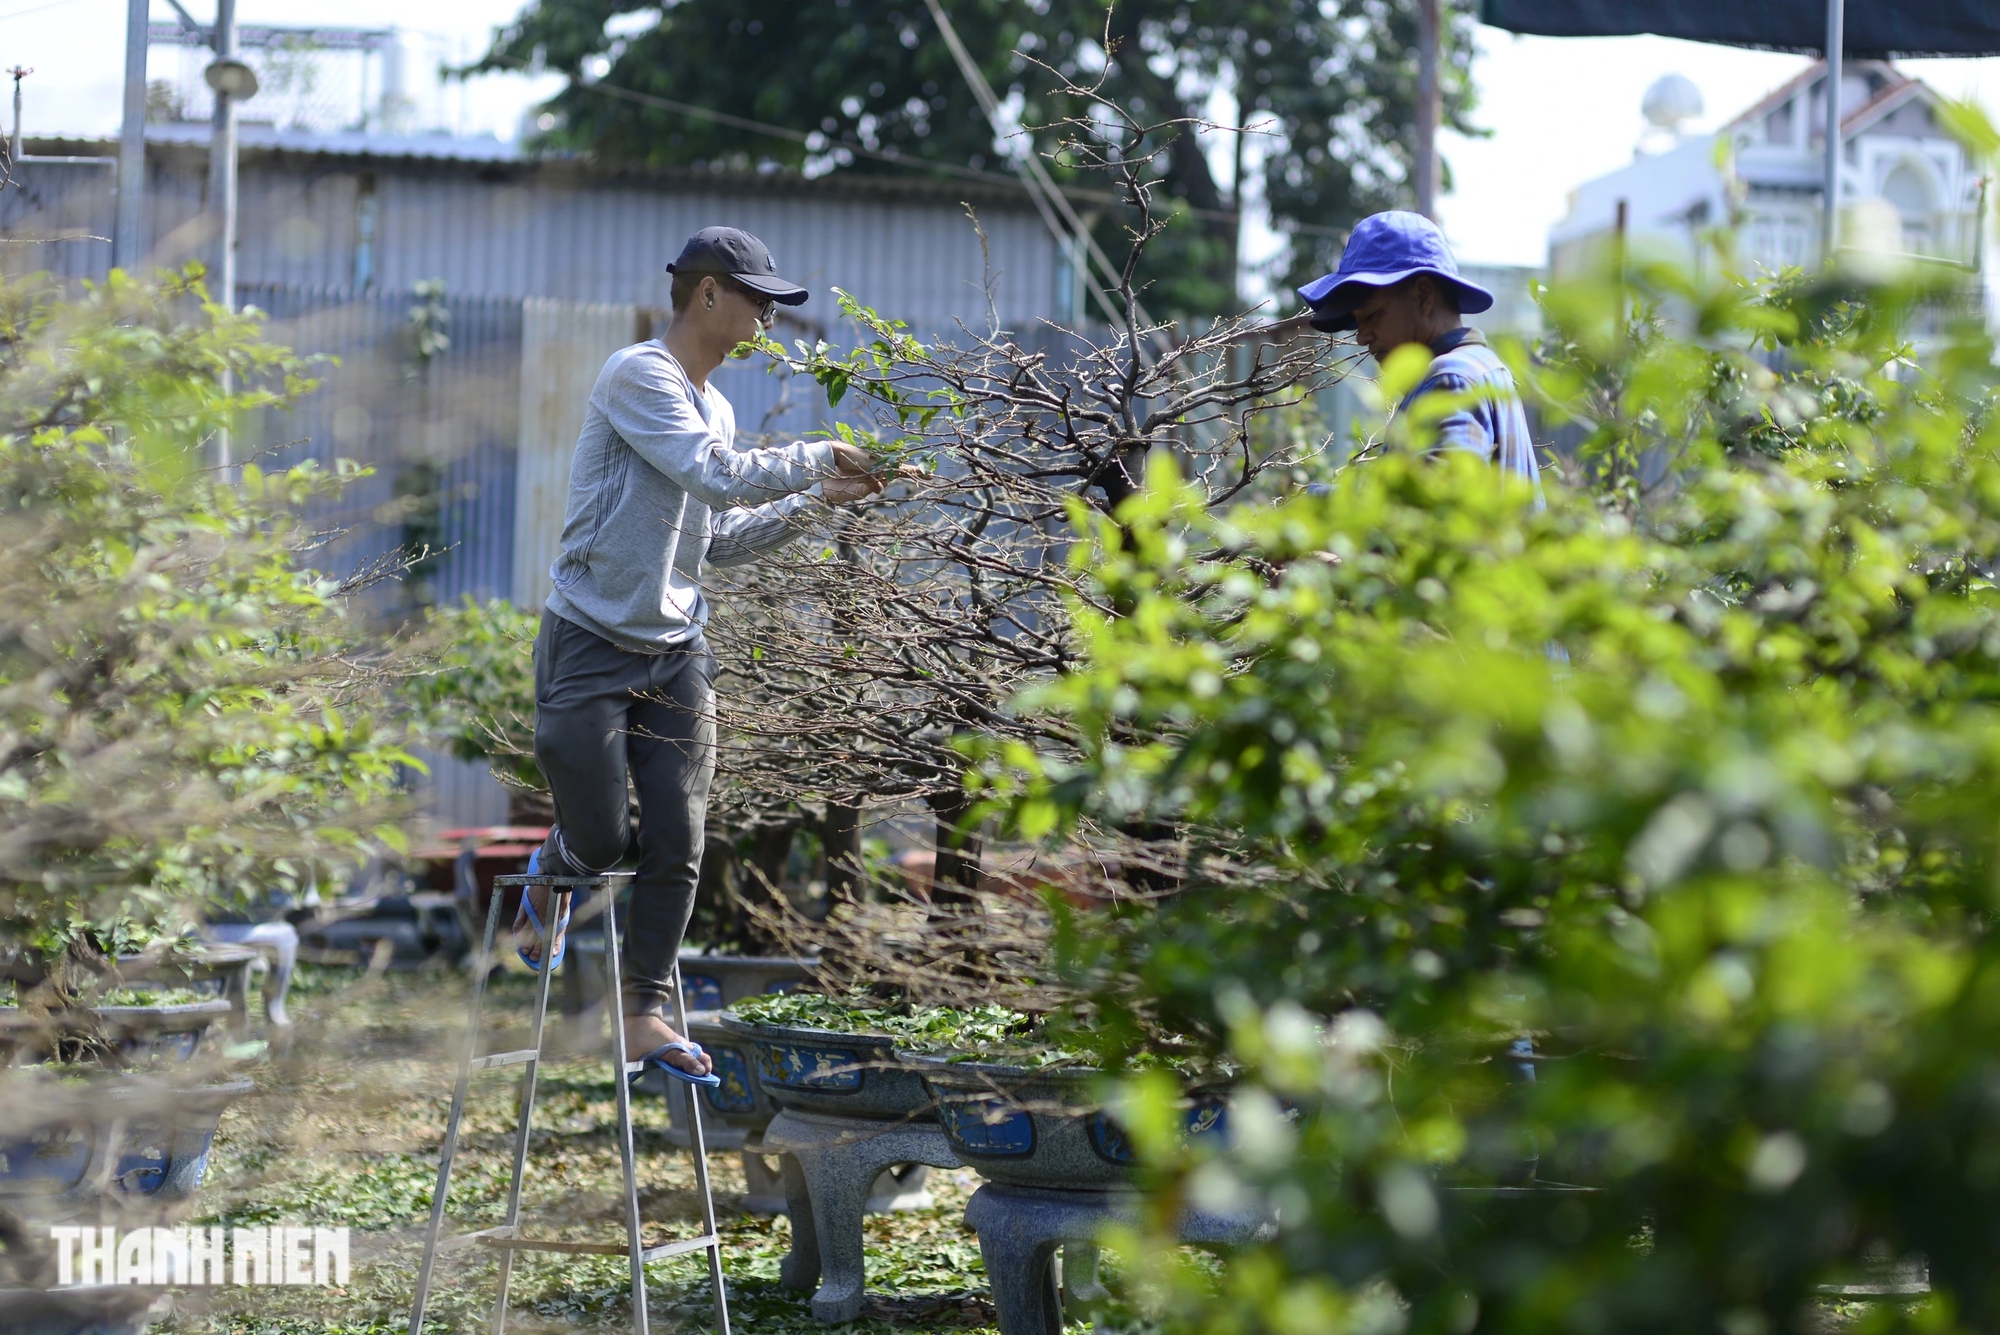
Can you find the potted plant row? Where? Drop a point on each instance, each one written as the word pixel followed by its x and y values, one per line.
pixel 1017 1106
pixel 145 994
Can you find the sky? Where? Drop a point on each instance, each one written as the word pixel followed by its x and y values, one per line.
pixel 77 51
pixel 1561 111
pixel 1556 111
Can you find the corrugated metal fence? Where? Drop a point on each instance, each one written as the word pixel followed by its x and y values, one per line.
pixel 440 433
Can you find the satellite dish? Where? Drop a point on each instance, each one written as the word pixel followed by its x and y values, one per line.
pixel 1672 100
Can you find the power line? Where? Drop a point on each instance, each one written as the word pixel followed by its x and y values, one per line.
pixel 34 9
pixel 888 155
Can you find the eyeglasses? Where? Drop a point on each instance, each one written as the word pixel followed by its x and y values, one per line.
pixel 767 309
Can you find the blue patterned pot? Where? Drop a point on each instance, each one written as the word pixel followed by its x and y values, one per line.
pixel 73 1148
pixel 1041 1128
pixel 710 982
pixel 740 1104
pixel 817 1070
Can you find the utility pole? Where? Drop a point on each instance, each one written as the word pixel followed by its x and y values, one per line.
pixel 1430 105
pixel 19 72
pixel 232 81
pixel 222 154
pixel 132 140
pixel 1829 223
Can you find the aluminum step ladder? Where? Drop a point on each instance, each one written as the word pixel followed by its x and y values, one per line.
pixel 507 1237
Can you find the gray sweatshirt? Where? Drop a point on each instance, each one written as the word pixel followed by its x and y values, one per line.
pixel 655 488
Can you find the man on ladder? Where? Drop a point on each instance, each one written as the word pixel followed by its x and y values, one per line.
pixel 623 675
pixel 623 692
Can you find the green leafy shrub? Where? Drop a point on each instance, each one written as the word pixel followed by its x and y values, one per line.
pixel 920 1028
pixel 478 694
pixel 1689 783
pixel 187 714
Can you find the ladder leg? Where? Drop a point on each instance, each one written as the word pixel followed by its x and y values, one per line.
pixel 482 964
pixel 558 903
pixel 614 999
pixel 698 1146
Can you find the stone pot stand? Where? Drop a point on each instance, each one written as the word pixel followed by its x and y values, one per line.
pixel 830 1165
pixel 848 1111
pixel 1059 1169
pixel 1021 1229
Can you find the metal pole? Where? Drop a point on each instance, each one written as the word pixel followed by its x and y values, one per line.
pixel 222 164
pixel 19 72
pixel 1429 105
pixel 222 192
pixel 132 140
pixel 1836 24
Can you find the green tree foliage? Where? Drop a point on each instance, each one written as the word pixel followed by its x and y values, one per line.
pixel 186 713
pixel 866 78
pixel 1692 785
pixel 477 696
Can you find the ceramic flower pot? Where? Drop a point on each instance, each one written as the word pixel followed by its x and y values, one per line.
pixel 73 1148
pixel 740 1105
pixel 820 1071
pixel 217 969
pixel 708 982
pixel 141 1035
pixel 1043 1127
pixel 213 968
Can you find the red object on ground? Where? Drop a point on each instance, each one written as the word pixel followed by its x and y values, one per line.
pixel 497 850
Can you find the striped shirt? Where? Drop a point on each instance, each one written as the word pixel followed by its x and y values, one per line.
pixel 1494 425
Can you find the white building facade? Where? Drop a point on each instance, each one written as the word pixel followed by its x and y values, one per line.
pixel 1906 186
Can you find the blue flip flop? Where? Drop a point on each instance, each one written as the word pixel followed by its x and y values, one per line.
pixel 657 1057
pixel 535 921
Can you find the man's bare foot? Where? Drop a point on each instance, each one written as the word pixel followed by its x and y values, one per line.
pixel 526 938
pixel 644 1033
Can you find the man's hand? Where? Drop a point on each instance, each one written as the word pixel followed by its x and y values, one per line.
pixel 853 479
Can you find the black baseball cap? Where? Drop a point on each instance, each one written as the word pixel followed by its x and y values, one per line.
pixel 732 251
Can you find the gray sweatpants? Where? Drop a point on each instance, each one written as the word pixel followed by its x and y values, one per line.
pixel 601 713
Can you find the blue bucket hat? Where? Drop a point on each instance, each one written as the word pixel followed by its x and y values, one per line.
pixel 1383 250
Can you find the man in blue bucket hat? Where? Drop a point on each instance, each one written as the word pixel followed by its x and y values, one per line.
pixel 1397 283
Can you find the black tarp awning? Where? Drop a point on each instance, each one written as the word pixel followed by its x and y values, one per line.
pixel 1875 28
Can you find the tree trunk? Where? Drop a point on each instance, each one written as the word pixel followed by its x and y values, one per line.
pixel 956 880
pixel 78 968
pixel 840 838
pixel 740 886
pixel 764 864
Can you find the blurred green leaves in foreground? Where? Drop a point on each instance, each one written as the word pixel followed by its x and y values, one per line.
pixel 187 715
pixel 1692 779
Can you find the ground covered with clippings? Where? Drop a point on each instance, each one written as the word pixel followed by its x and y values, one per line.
pixel 345 1129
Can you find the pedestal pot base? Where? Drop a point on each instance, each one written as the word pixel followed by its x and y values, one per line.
pixel 1021 1228
pixel 830 1165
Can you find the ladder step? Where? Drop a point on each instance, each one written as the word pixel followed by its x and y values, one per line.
pixel 681 1248
pixel 484 1235
pixel 510 1243
pixel 518 1057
